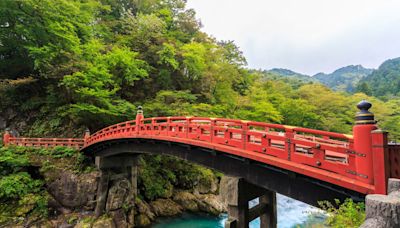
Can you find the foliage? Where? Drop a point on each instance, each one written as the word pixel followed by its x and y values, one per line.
pixel 11 160
pixel 345 78
pixel 383 82
pixel 346 214
pixel 15 186
pixel 21 194
pixel 158 175
pixel 42 36
pixel 75 64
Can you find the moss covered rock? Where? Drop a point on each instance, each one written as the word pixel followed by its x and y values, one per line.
pixel 187 200
pixel 142 220
pixel 166 207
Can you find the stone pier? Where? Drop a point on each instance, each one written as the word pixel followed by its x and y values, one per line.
pixel 237 193
pixel 383 211
pixel 117 169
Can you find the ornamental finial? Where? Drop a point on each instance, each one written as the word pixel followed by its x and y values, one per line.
pixel 139 110
pixel 364 116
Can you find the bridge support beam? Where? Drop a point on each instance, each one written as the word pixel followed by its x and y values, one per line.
pixel 122 165
pixel 237 193
pixel 102 190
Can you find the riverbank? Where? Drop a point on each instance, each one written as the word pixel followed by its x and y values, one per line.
pixel 66 183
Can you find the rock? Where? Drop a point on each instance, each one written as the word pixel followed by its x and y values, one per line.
pixel 166 207
pixel 131 217
pixel 66 225
pixel 73 190
pixel 119 218
pixel 3 123
pixel 211 203
pixel 383 211
pixel 169 191
pixel 27 205
pixel 187 200
pixel 118 194
pixel 55 208
pixel 393 185
pixel 385 206
pixel 377 222
pixel 85 223
pixel 142 220
pixel 10 113
pixel 144 209
pixel 104 223
pixel 205 186
pixel 22 125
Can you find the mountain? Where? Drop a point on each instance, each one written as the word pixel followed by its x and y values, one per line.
pixel 385 81
pixel 345 78
pixel 292 74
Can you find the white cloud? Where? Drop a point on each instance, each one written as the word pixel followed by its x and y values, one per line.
pixel 308 36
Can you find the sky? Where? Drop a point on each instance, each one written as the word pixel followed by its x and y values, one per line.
pixel 306 36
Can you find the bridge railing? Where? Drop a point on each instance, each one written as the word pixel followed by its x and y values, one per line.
pixel 43 142
pixel 362 160
pixel 315 148
pixel 394 160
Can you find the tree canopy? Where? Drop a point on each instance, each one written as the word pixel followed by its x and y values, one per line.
pixel 89 63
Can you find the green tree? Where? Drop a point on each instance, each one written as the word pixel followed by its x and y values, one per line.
pixel 42 38
pixel 363 87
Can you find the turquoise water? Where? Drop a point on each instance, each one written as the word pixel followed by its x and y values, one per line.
pixel 291 213
pixel 192 221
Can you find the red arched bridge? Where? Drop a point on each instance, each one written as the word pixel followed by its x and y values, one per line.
pixel 360 163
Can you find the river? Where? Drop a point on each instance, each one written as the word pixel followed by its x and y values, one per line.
pixel 291 213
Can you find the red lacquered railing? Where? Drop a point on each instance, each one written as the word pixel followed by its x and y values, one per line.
pixel 327 156
pixel 394 160
pixel 324 155
pixel 47 142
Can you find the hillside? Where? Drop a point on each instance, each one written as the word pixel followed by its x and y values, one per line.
pixel 292 74
pixel 385 81
pixel 343 79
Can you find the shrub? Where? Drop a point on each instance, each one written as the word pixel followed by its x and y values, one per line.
pixel 346 214
pixel 17 185
pixel 158 175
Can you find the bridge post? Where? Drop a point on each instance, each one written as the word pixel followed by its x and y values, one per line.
pixel 6 137
pixel 139 117
pixel 102 191
pixel 237 193
pixel 269 218
pixel 380 157
pixel 362 133
pixel 86 136
pixel 127 164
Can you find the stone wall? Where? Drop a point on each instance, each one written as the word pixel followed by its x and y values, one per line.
pixel 383 211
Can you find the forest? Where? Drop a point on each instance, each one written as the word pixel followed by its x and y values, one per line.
pixel 90 63
pixel 68 65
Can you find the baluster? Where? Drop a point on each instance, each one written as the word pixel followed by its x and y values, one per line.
pixel 289 145
pixel 380 159
pixel 245 128
pixel 212 125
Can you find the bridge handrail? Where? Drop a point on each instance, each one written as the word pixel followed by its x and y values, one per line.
pixel 47 142
pixel 314 132
pixel 359 158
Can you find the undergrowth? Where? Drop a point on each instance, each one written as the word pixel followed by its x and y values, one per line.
pixel 348 214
